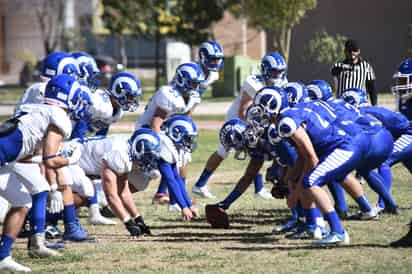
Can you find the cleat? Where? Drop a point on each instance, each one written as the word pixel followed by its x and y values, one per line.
pixel 379 209
pixel 38 249
pixel 264 195
pixel 107 212
pixel 174 208
pixel 9 264
pixel 366 216
pixel 54 245
pixel 334 238
pixel 289 226
pixel 74 232
pixel 405 241
pixel 161 199
pixel 391 210
pixel 53 232
pixel 203 192
pixel 309 232
pixel 95 218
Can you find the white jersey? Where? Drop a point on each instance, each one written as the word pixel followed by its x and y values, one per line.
pixel 114 150
pixel 166 98
pixel 102 110
pixel 32 95
pixel 34 124
pixel 251 85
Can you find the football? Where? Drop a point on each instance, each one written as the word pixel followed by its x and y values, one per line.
pixel 217 217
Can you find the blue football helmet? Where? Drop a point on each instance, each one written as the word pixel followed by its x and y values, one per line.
pixel 126 89
pixel 83 110
pixel 402 79
pixel 211 55
pixel 144 149
pixel 182 131
pixel 66 92
pixel 58 63
pixel 296 92
pixel 355 96
pixel 257 117
pixel 272 99
pixel 232 138
pixel 86 63
pixel 187 78
pixel 319 90
pixel 273 68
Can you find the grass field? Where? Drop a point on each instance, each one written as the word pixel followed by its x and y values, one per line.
pixel 247 247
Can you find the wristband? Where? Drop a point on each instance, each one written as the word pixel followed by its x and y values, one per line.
pixel 53 187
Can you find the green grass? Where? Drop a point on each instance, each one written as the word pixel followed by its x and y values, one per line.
pixel 247 247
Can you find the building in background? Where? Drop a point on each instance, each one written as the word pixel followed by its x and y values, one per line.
pixel 382 28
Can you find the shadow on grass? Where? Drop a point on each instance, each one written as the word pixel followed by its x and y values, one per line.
pixel 249 238
pixel 304 247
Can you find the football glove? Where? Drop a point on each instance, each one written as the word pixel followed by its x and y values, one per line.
pixel 133 228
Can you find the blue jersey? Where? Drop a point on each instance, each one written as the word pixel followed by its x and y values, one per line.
pixel 396 123
pixel 351 120
pixel 318 122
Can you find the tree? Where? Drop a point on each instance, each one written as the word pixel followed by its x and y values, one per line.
pixel 196 19
pixel 125 17
pixel 50 15
pixel 276 17
pixel 324 48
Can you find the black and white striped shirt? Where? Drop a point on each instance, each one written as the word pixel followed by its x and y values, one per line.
pixel 352 75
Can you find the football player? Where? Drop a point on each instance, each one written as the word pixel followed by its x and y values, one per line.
pixel 273 72
pixel 35 125
pixel 179 97
pixel 210 61
pixel 402 87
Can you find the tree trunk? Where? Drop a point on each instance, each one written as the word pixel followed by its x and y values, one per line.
pixel 270 40
pixel 157 57
pixel 122 49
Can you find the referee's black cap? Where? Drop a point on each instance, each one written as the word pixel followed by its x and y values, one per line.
pixel 351 45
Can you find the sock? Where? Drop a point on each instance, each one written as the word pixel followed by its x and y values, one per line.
pixel 334 222
pixel 258 183
pixel 386 174
pixel 338 196
pixel 6 244
pixel 299 209
pixel 376 182
pixel 93 200
pixel 233 196
pixel 311 215
pixel 69 214
pixel 204 177
pixel 162 186
pixel 53 218
pixel 294 212
pixel 363 203
pixel 38 213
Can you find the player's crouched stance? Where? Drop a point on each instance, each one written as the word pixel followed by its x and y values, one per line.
pixel 37 125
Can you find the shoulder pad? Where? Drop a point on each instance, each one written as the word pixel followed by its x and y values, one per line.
pixel 59 118
pixel 252 84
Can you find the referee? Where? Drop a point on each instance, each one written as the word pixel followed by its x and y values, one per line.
pixel 354 72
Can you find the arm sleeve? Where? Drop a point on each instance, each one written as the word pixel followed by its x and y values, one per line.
pixel 168 174
pixel 182 186
pixel 370 88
